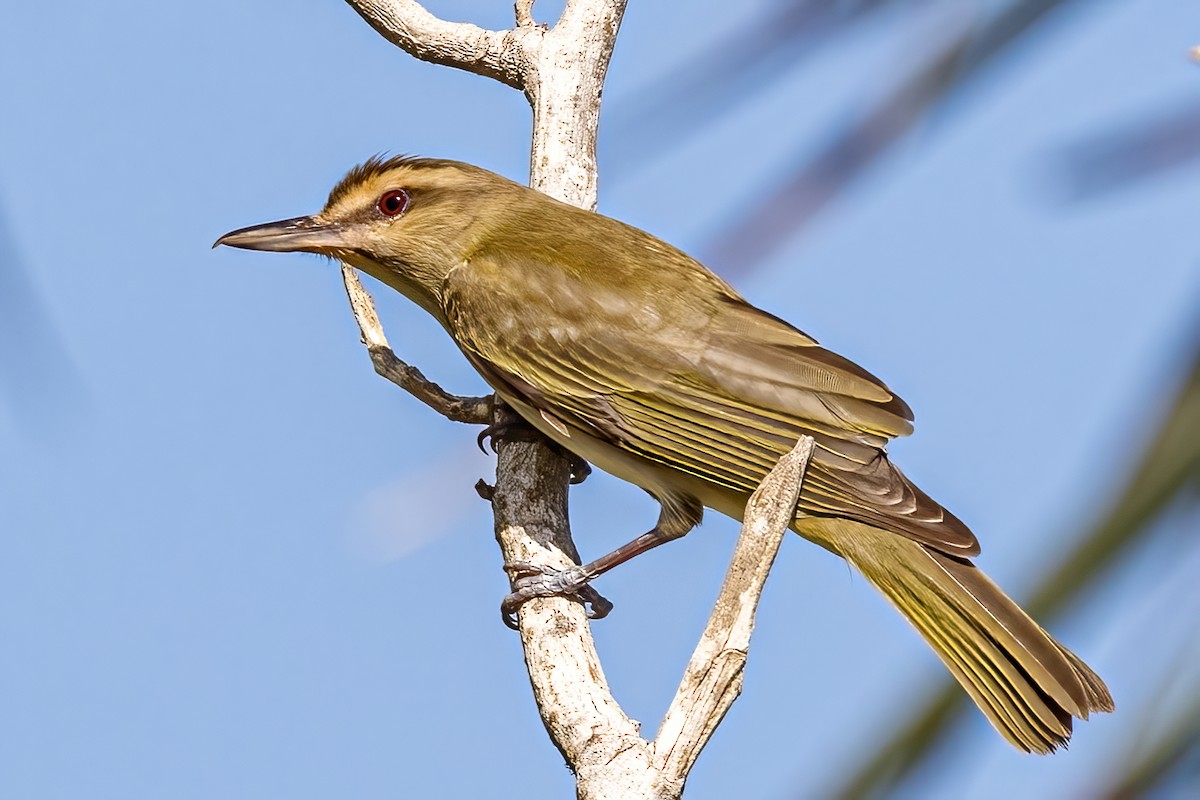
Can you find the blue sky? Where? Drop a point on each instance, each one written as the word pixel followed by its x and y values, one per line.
pixel 223 573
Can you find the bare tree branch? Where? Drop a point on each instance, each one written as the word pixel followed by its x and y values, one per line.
pixel 595 737
pixel 529 500
pixel 561 71
pixel 501 55
pixel 563 88
pixel 713 678
pixel 476 410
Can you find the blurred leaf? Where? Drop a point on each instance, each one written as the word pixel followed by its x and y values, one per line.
pixel 748 60
pixel 1169 468
pixel 1156 145
pixel 1171 765
pixel 398 517
pixel 852 149
pixel 38 380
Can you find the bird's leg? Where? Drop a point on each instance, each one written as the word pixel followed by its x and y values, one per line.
pixel 678 516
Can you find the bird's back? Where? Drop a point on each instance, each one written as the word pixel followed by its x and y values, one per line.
pixel 654 355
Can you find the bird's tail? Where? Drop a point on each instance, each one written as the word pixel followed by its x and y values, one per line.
pixel 1027 684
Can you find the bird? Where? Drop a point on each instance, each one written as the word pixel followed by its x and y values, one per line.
pixel 630 354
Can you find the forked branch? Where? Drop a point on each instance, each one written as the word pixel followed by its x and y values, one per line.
pixel 561 71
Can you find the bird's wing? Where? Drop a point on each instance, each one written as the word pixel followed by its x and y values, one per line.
pixel 731 389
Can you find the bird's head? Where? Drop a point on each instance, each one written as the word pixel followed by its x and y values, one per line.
pixel 406 221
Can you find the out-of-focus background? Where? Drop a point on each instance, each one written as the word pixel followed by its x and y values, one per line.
pixel 235 563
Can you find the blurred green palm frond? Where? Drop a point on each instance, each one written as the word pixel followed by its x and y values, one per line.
pixel 752 56
pixel 1157 144
pixel 1168 767
pixel 760 52
pixel 1168 470
pixel 40 387
pixel 849 151
pixel 748 62
pixel 763 49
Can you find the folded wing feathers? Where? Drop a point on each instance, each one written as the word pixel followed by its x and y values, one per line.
pixel 726 410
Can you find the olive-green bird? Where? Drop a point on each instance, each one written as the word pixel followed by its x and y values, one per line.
pixel 637 358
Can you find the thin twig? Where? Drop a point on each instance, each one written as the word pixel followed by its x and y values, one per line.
pixel 523 9
pixel 476 410
pixel 713 678
pixel 502 55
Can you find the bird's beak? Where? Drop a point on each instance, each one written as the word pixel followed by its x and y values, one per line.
pixel 286 236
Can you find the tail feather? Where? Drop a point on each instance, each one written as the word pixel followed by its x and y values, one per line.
pixel 1028 685
pixel 1016 631
pixel 1098 697
pixel 1011 703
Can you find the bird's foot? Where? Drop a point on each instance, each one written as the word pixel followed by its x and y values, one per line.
pixel 580 469
pixel 515 429
pixel 530 581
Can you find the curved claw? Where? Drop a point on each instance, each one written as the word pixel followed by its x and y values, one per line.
pixel 530 581
pixel 580 469
pixel 597 604
pixel 517 430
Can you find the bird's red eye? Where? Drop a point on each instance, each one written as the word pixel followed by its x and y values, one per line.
pixel 393 203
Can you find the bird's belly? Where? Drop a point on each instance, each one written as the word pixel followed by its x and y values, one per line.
pixel 662 481
pixel 654 478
